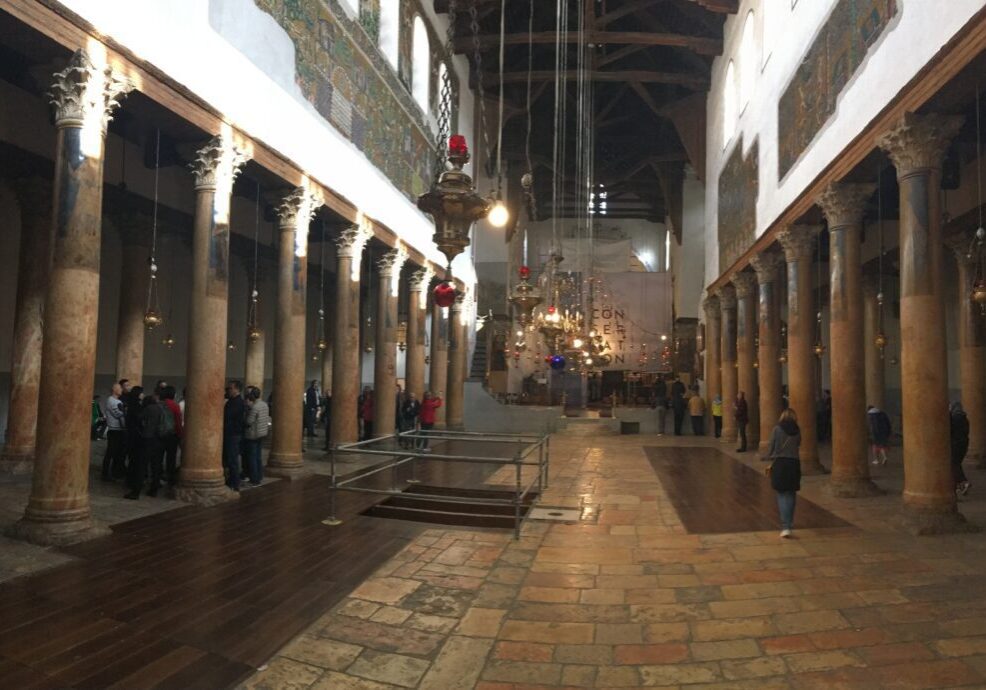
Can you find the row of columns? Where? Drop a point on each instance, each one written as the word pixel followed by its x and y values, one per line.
pixel 54 349
pixel 916 146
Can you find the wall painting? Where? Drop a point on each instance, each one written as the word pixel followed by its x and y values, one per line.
pixel 739 184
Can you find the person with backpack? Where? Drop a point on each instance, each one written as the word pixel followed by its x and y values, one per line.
pixel 172 439
pixel 152 425
pixel 880 431
pixel 257 427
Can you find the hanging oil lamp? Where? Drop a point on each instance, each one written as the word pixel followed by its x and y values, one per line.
pixel 525 297
pixel 230 346
pixel 152 315
pixel 168 341
pixel 819 348
pixel 783 358
pixel 402 336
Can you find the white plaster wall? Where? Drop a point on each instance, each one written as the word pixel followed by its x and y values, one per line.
pixel 919 31
pixel 688 258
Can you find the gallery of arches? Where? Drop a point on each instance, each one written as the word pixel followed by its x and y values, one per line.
pixel 492 344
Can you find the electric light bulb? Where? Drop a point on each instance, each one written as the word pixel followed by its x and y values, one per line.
pixel 577 342
pixel 499 215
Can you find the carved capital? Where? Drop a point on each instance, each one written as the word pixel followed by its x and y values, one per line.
pixel 710 305
pixel 745 283
pixel 460 302
pixel 298 208
pixel 84 94
pixel 727 298
pixel 216 166
pixel 844 203
pixel 767 266
pixel 798 241
pixel 390 264
pixel 918 142
pixel 351 241
pixel 420 279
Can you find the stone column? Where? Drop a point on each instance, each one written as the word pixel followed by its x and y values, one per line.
pixel 201 479
pixel 135 236
pixel 875 388
pixel 327 369
pixel 458 343
pixel 727 349
pixel 295 213
pixel 34 267
pixel 972 354
pixel 843 205
pixel 798 242
pixel 385 354
pixel 438 372
pixel 713 348
pixel 768 266
pixel 917 146
pixel 57 512
pixel 746 334
pixel 345 336
pixel 417 309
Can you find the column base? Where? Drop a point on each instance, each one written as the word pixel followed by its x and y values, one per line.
pixel 16 462
pixel 812 467
pixel 44 533
pixel 854 488
pixel 289 471
pixel 729 436
pixel 923 522
pixel 205 493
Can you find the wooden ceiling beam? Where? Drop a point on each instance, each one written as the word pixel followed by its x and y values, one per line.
pixel 698 44
pixel 719 6
pixel 627 9
pixel 686 79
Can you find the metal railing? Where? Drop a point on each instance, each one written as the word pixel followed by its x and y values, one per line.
pixel 420 451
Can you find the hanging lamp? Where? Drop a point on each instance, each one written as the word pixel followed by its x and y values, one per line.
pixel 321 344
pixel 152 312
pixel 880 339
pixel 819 347
pixel 253 317
pixel 977 251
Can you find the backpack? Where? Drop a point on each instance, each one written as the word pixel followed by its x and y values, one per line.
pixel 166 427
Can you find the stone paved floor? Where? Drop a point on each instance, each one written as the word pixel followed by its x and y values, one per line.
pixel 629 599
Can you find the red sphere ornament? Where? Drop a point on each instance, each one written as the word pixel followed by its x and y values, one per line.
pixel 547 359
pixel 551 309
pixel 457 145
pixel 524 272
pixel 444 295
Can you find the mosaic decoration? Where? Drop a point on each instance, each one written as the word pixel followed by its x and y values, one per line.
pixel 833 58
pixel 739 185
pixel 345 77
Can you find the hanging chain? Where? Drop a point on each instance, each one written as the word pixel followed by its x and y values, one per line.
pixel 445 96
pixel 153 301
pixel 478 60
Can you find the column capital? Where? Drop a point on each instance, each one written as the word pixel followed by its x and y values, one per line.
pixel 298 207
pixel 420 281
pixel 85 94
pixel 351 241
pixel 844 203
pixel 727 298
pixel 744 282
pixel 460 302
pixel 391 262
pixel 710 305
pixel 798 241
pixel 919 142
pixel 767 266
pixel 217 164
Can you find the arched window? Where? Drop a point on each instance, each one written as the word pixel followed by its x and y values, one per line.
pixel 729 109
pixel 390 31
pixel 420 64
pixel 747 61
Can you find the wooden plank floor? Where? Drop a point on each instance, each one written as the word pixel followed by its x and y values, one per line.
pixel 199 597
pixel 714 493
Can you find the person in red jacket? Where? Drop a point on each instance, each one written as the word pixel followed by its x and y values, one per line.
pixel 173 440
pixel 427 415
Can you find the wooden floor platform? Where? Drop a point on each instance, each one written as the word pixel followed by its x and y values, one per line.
pixel 714 493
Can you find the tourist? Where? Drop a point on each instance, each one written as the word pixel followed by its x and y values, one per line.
pixel 172 440
pixel 880 430
pixel 150 450
pixel 678 404
pixel 131 407
pixel 312 400
pixel 696 408
pixel 661 403
pixel 97 425
pixel 114 459
pixel 257 426
pixel 366 413
pixel 234 418
pixel 825 416
pixel 959 434
pixel 785 468
pixel 426 416
pixel 717 415
pixel 327 414
pixel 742 416
pixel 408 419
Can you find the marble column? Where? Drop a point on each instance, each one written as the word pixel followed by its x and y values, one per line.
pixel 34 266
pixel 746 334
pixel 727 350
pixel 875 387
pixel 255 360
pixel 769 266
pixel 84 96
pixel 417 309
pixel 201 479
pixel 385 353
pixel 843 205
pixel 345 336
pixel 438 369
pixel 798 242
pixel 713 348
pixel 458 343
pixel 917 145
pixel 295 213
pixel 135 236
pixel 972 353
pixel 327 369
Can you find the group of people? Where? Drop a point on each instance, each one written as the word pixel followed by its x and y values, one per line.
pixel 246 423
pixel 143 432
pixel 681 401
pixel 409 413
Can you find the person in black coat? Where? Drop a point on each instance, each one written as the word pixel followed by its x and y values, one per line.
pixel 678 404
pixel 785 468
pixel 234 426
pixel 959 434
